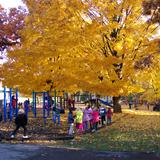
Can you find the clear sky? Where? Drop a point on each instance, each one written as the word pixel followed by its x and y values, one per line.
pixel 11 3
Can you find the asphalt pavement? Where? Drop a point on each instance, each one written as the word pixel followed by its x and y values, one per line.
pixel 43 152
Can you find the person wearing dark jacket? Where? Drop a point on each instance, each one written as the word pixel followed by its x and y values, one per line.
pixel 103 113
pixel 20 121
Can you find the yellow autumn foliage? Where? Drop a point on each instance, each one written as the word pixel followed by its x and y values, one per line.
pixel 81 45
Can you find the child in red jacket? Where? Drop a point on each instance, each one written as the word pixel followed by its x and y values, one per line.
pixel 109 116
pixel 95 120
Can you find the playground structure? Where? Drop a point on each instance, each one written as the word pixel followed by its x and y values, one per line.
pixel 37 115
pixel 9 108
pixel 44 106
pixel 47 105
pixel 48 102
pixel 40 121
pixel 105 102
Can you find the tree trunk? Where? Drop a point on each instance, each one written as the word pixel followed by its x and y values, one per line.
pixel 116 105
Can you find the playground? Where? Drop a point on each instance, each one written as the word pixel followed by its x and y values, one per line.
pixel 80 80
pixel 132 130
pixel 40 115
pixel 134 133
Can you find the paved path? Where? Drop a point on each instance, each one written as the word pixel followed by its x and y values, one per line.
pixel 37 152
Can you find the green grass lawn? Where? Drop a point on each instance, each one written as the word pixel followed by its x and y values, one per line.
pixel 129 132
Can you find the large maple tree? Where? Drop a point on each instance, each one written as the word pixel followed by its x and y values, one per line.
pixel 83 45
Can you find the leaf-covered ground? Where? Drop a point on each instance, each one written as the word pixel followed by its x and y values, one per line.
pixel 37 130
pixel 130 131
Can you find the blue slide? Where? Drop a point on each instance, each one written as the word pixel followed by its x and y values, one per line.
pixel 105 103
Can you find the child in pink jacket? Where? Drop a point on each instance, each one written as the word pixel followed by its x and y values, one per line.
pixel 95 120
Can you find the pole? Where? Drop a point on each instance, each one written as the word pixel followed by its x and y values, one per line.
pixel 16 102
pixel 5 106
pixel 26 107
pixel 44 117
pixel 33 101
pixel 10 105
pixel 34 104
pixel 54 108
pixel 49 104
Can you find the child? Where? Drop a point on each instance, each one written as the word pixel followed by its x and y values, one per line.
pixel 70 122
pixel 109 116
pixel 20 106
pixel 56 114
pixel 79 120
pixel 26 106
pixel 89 112
pixel 20 121
pixel 95 115
pixel 14 102
pixel 85 119
pixel 102 112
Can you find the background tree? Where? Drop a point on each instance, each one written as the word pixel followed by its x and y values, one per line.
pixel 10 23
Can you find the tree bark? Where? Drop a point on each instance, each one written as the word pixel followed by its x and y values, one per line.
pixel 116 105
